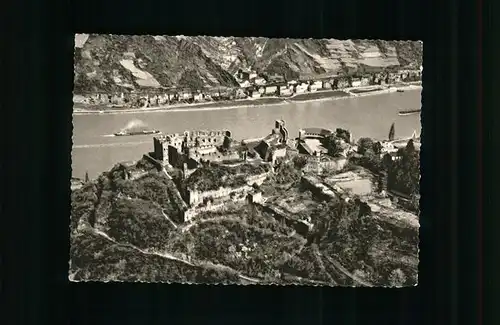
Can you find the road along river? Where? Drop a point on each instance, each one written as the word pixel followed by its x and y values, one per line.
pixel 95 150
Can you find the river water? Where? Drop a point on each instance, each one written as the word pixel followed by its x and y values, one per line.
pixel 95 151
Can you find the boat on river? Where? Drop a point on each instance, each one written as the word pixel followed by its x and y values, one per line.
pixel 409 112
pixel 129 133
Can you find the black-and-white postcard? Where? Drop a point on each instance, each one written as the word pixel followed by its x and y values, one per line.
pixel 227 160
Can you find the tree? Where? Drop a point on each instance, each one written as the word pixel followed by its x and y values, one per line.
pixel 387 161
pixel 331 143
pixel 371 161
pixel 138 222
pixel 404 173
pixel 415 203
pixel 364 208
pixel 410 147
pixel 364 144
pixel 380 182
pixel 343 134
pixel 286 173
pixel 377 148
pixel 86 177
pixel 299 162
pixel 226 144
pixel 392 132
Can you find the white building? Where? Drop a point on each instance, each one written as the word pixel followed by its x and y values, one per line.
pixel 256 94
pixel 198 97
pixel 285 91
pixel 316 85
pixel 356 83
pixel 271 90
pixel 245 84
pixel 260 81
pixel 302 88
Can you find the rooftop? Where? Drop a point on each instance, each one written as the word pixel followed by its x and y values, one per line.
pixel 315 145
pixel 319 131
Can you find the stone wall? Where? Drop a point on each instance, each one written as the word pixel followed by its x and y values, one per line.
pixel 336 164
pixel 196 197
pixel 302 227
pixel 314 165
pixel 192 212
pixel 278 153
pixel 318 187
pixel 257 179
pixel 155 161
pixel 205 138
pixel 133 175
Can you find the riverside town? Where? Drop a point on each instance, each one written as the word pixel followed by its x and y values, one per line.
pixel 246 161
pixel 254 86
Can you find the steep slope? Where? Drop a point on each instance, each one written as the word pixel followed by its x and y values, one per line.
pixel 124 228
pixel 116 62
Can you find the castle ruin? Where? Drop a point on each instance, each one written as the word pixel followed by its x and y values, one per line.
pixel 192 147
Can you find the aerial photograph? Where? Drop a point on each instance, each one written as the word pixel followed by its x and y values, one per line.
pixel 245 160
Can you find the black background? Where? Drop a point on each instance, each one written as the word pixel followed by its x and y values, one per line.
pixel 38 90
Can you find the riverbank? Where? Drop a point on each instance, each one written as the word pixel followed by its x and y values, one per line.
pixel 186 107
pixel 94 150
pixel 358 92
pixel 267 101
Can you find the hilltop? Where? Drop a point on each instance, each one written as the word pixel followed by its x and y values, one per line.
pixel 127 226
pixel 109 63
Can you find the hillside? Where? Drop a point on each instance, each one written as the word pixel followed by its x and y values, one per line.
pixel 111 63
pixel 127 228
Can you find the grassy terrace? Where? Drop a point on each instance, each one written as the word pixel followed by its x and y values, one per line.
pixel 94 257
pixel 235 238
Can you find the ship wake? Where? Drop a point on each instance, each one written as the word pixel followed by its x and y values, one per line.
pixel 102 145
pixel 135 126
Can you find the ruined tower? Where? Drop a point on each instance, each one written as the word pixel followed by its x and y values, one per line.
pixel 161 149
pixel 279 125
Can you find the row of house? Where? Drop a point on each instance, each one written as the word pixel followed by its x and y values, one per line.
pixel 253 86
pixel 136 99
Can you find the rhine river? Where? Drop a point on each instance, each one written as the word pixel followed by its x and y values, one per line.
pixel 95 151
